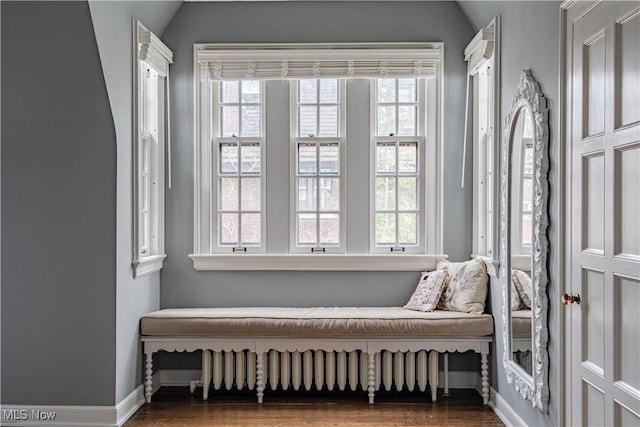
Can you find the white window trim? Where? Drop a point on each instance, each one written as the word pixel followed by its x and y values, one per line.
pixel 204 259
pixel 317 262
pixel 149 50
pixel 215 161
pixel 484 52
pixel 342 131
pixel 424 163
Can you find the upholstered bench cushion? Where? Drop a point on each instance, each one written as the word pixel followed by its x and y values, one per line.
pixel 521 323
pixel 314 322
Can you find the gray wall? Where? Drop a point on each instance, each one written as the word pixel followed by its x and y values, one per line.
pixel 530 40
pixel 264 22
pixel 58 210
pixel 112 22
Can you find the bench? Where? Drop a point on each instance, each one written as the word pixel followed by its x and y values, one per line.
pixel 325 346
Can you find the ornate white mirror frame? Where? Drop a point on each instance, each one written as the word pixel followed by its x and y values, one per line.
pixel 532 386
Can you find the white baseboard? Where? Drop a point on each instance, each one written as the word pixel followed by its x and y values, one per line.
pixel 129 405
pixel 72 416
pixel 116 416
pixel 504 411
pixel 58 416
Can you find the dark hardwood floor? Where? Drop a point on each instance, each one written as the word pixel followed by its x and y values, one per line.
pixel 175 406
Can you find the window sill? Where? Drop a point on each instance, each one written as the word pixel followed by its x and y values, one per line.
pixel 147 265
pixel 315 262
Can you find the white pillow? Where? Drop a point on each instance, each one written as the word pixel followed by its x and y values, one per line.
pixel 466 289
pixel 428 291
pixel 516 302
pixel 522 282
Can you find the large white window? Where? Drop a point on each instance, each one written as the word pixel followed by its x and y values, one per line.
pixel 318 126
pixel 398 183
pixel 238 146
pixel 317 157
pixel 151 72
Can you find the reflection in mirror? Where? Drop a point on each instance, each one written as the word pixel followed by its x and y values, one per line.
pixel 520 187
pixel 524 245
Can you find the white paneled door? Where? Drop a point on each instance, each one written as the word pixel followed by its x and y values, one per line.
pixel 603 213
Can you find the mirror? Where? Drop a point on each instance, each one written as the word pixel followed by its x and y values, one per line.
pixel 524 245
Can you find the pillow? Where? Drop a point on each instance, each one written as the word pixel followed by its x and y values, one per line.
pixel 428 291
pixel 466 288
pixel 522 283
pixel 516 302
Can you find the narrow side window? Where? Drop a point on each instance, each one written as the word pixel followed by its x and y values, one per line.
pixel 151 73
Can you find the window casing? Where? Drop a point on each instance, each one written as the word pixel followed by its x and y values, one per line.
pixel 238 224
pixel 319 161
pixel 397 189
pixel 151 72
pixel 318 123
pixel 483 58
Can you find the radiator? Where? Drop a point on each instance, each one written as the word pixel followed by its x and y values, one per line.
pixel 319 370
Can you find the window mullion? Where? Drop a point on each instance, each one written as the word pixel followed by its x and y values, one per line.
pixel 239 116
pixel 239 156
pixel 397 216
pixel 318 177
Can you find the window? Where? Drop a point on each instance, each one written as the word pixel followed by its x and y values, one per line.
pixel 482 56
pixel 318 150
pixel 524 216
pixel 237 122
pixel 299 165
pixel 150 82
pixel 398 169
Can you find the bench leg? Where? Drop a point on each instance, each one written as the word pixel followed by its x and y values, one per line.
pixel 260 376
pixel 433 374
pixel 148 382
pixel 206 373
pixel 484 366
pixel 372 377
pixel 446 374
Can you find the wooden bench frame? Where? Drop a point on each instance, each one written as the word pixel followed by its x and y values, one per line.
pixel 368 345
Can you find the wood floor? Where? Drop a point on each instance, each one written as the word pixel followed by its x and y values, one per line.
pixel 175 406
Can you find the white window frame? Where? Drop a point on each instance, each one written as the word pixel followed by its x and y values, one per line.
pixel 422 159
pixel 287 61
pixel 150 120
pixel 483 58
pixel 217 141
pixel 518 248
pixel 295 140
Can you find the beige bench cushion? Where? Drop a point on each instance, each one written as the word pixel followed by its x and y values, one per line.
pixel 521 323
pixel 313 322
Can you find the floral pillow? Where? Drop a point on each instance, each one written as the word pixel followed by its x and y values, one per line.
pixel 466 288
pixel 428 291
pixel 522 282
pixel 516 302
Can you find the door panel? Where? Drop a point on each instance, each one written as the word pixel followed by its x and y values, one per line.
pixel 627 167
pixel 604 219
pixel 627 41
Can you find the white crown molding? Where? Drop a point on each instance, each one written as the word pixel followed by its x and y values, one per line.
pixel 480 48
pixel 315 262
